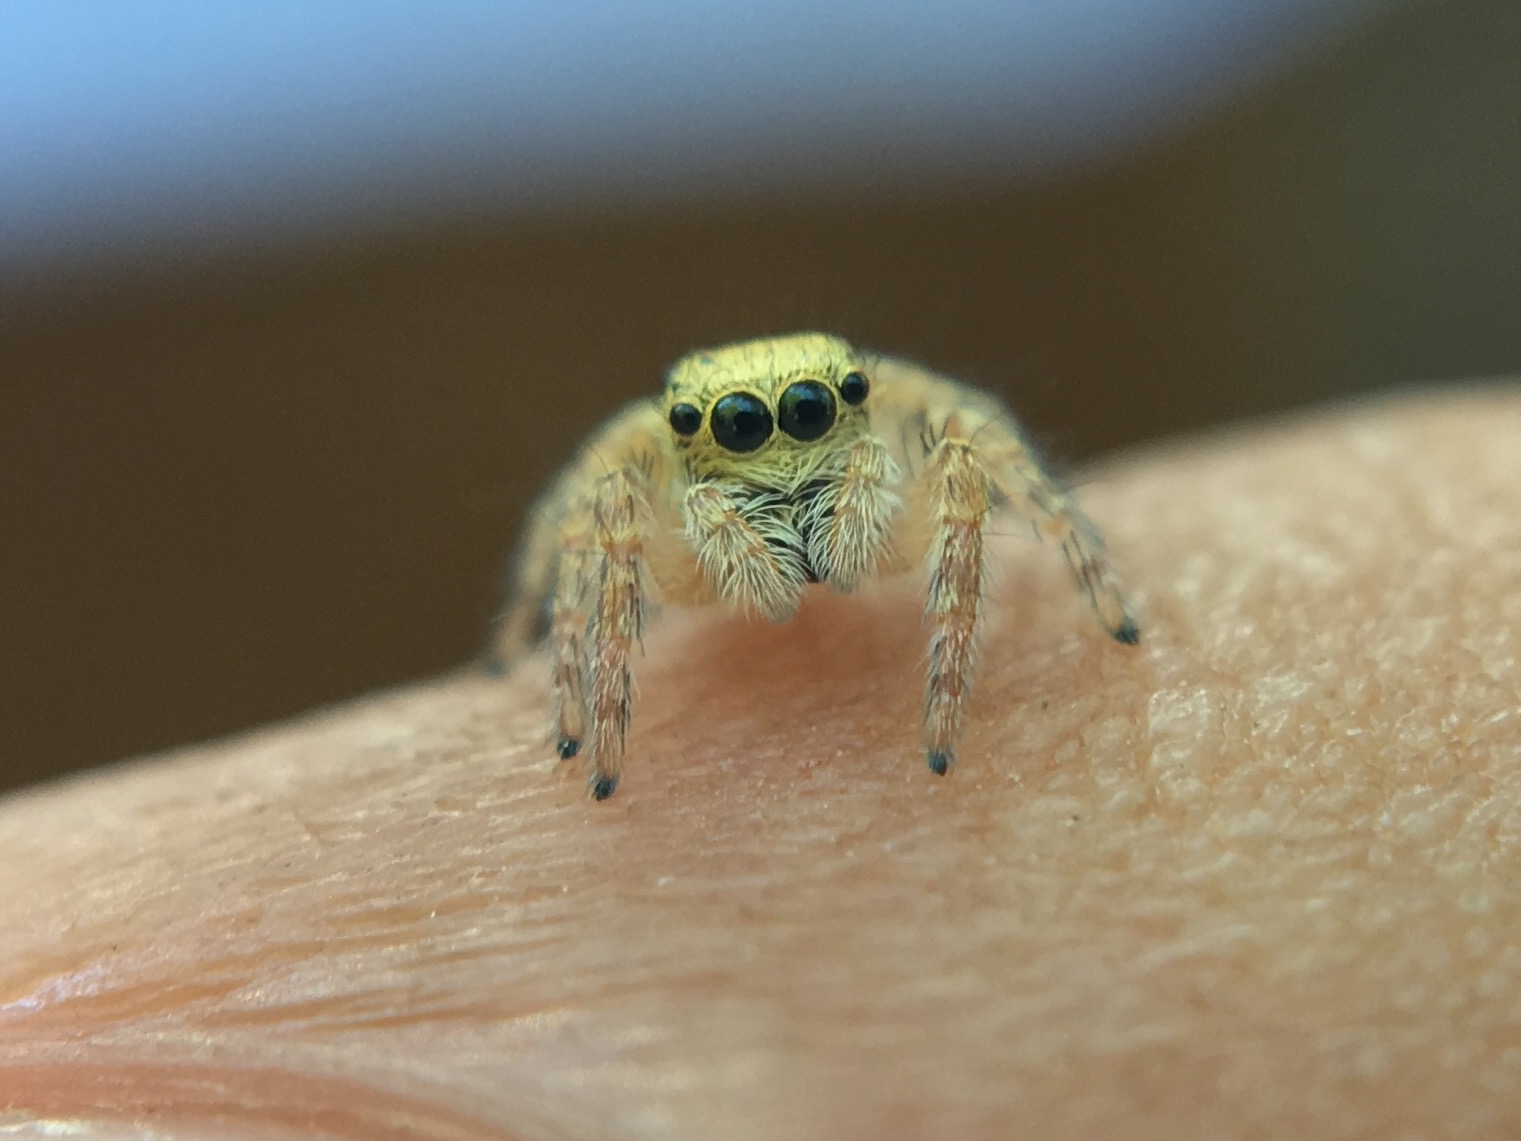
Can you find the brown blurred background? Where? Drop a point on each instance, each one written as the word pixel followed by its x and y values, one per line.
pixel 241 486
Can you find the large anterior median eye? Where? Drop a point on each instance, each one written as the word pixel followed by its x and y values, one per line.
pixel 806 410
pixel 741 422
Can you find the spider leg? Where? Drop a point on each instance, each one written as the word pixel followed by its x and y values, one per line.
pixel 567 634
pixel 1020 478
pixel 528 614
pixel 615 624
pixel 746 556
pixel 960 495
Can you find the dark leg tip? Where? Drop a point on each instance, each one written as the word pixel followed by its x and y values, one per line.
pixel 1127 632
pixel 940 763
pixel 567 747
pixel 603 787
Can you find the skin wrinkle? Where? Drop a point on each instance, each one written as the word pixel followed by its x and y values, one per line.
pixel 1260 876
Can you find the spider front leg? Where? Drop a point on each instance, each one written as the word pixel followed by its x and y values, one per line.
pixel 614 623
pixel 960 496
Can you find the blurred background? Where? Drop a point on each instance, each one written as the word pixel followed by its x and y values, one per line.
pixel 300 305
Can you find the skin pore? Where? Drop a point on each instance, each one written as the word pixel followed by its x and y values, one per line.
pixel 1261 874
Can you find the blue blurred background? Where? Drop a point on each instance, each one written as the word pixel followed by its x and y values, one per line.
pixel 300 304
pixel 162 124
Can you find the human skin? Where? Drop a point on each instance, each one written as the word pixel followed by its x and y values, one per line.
pixel 1260 876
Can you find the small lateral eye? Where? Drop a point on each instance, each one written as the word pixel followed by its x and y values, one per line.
pixel 806 410
pixel 741 422
pixel 854 387
pixel 685 420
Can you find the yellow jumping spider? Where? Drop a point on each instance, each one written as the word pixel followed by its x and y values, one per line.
pixel 763 467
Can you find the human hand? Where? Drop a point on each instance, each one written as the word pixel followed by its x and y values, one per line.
pixel 1257 877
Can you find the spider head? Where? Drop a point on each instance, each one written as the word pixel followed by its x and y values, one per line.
pixel 768 413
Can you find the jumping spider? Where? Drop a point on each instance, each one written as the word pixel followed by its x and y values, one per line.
pixel 763 467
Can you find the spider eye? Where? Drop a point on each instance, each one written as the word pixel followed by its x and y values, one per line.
pixel 685 420
pixel 806 410
pixel 854 387
pixel 741 422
